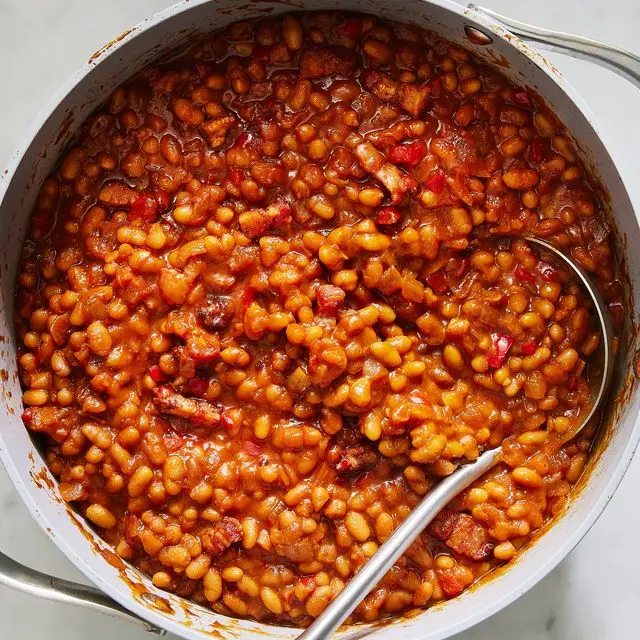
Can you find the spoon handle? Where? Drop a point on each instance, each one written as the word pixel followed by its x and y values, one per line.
pixel 375 568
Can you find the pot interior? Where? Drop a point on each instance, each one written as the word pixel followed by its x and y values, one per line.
pixel 57 127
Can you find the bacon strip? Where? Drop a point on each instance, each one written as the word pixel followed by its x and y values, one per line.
pixel 168 400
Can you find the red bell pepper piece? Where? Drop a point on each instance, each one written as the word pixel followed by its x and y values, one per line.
pixel 438 282
pixel 410 153
pixel 524 275
pixel 157 374
pixel 436 181
pixel 389 214
pixel 529 347
pixel 501 343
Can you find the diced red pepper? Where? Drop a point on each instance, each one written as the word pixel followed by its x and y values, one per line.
pixel 521 98
pixel 501 343
pixel 197 386
pixel 435 87
pixel 450 584
pixel 529 347
pixel 252 448
pixel 227 422
pixel 27 415
pixel 410 153
pixel 235 176
pixel 524 274
pixel 352 28
pixel 157 374
pixel 389 214
pixel 548 272
pixel 436 181
pixel 438 281
pixel 536 150
pixel 243 140
pixel 284 215
pixel 330 299
pixel 144 208
pixel 501 301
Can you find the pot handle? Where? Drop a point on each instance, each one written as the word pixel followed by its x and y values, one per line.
pixel 17 576
pixel 624 63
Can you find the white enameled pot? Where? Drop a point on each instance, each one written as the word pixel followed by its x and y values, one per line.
pixel 122 590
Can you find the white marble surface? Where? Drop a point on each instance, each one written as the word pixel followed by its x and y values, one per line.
pixel 594 593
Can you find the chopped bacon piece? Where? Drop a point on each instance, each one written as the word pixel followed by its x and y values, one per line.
pixel 461 533
pixel 501 344
pixel 202 347
pixel 217 313
pixel 548 272
pixel 397 182
pixel 330 299
pixel 438 281
pixel 436 181
pixel 256 222
pixel 168 400
pixel 356 459
pixel 414 98
pixel 317 61
pixel 218 537
pixel 524 275
pixel 252 448
pixel 380 85
pixel 388 214
pixel 521 98
pixel 215 129
pixel 411 153
pixel 529 347
pixel 450 583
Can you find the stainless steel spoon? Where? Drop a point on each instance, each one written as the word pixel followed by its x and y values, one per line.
pixel 429 507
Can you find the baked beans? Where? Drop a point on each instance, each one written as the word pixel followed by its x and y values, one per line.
pixel 278 288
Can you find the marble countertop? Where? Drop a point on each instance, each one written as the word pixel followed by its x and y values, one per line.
pixel 594 593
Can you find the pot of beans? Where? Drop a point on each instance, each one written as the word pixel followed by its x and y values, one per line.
pixel 266 282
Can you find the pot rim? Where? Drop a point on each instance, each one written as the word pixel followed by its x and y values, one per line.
pixel 477 19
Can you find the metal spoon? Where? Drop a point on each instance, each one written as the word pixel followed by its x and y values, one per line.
pixel 429 507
